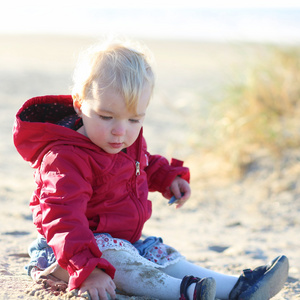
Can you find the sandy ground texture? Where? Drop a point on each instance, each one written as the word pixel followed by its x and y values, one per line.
pixel 226 226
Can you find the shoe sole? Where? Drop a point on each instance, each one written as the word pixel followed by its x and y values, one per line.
pixel 271 283
pixel 207 289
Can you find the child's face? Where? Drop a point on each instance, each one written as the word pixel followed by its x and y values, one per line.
pixel 107 121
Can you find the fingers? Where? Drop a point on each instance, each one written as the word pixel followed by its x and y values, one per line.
pixel 112 290
pixel 98 294
pixel 99 286
pixel 180 188
pixel 186 191
pixel 175 188
pixel 181 191
pixel 183 199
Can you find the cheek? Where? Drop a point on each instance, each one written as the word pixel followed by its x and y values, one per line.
pixel 134 133
pixel 95 127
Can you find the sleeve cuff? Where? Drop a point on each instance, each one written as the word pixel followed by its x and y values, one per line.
pixel 167 174
pixel 79 276
pixel 80 267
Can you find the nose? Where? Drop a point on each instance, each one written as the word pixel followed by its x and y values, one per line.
pixel 119 129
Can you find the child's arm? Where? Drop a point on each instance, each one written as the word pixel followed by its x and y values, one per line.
pixel 65 191
pixel 161 174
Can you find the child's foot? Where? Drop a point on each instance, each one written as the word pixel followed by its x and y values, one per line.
pixel 205 288
pixel 263 282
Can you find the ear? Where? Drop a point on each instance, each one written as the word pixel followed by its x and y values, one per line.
pixel 77 102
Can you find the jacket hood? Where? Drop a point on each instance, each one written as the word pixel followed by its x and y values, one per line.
pixel 38 127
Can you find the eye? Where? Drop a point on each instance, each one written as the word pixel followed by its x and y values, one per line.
pixel 134 121
pixel 105 118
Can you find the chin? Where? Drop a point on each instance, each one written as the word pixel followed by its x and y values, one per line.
pixel 112 151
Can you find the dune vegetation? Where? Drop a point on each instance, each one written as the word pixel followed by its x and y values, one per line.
pixel 257 110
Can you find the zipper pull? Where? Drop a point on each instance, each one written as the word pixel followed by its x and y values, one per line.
pixel 137 168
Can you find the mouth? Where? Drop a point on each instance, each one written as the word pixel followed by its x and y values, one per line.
pixel 116 145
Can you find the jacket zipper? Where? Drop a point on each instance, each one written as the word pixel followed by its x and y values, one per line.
pixel 137 168
pixel 137 173
pixel 134 180
pixel 137 162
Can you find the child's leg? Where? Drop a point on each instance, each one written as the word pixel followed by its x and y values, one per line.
pixel 134 278
pixel 139 281
pixel 224 283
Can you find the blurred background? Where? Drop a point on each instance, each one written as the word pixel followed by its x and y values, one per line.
pixel 227 72
pixel 265 21
pixel 227 102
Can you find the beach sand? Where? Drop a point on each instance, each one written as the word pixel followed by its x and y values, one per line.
pixel 228 225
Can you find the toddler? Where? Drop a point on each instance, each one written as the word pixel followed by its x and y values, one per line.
pixel 93 174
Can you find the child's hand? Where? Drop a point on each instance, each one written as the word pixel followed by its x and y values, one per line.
pixel 98 284
pixel 181 190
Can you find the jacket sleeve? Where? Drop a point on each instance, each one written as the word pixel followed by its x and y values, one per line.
pixel 161 173
pixel 65 189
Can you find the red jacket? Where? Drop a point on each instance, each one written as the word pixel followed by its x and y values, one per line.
pixel 81 189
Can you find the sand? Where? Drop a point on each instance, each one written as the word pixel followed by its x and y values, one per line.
pixel 228 225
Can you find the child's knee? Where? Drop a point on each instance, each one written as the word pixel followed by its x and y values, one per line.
pixel 120 259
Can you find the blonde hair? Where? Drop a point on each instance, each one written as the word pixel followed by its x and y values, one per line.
pixel 117 65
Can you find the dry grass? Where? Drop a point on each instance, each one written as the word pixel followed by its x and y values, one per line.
pixel 260 110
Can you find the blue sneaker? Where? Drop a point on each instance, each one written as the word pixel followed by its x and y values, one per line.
pixel 263 282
